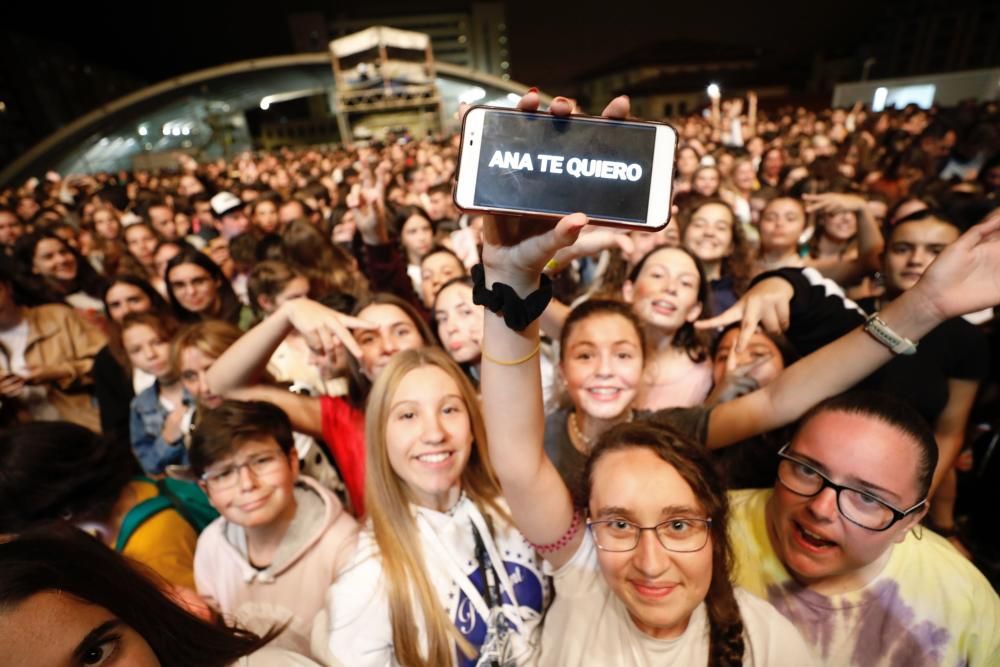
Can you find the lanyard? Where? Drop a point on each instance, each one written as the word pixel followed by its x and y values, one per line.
pixel 448 558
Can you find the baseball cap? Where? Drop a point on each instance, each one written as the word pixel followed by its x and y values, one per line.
pixel 224 202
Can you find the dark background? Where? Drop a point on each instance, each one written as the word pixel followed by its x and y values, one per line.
pixel 551 43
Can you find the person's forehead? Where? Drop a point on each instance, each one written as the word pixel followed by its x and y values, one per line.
pixel 713 212
pixel 426 384
pixel 441 260
pixel 195 359
pixel 385 314
pixel 602 328
pixel 247 446
pixel 783 205
pixel 673 259
pixel 453 295
pixel 638 480
pixel 48 245
pixel 139 332
pixel 187 270
pixel 48 625
pixel 123 291
pixel 930 230
pixel 859 447
pixel 138 232
pixel 416 221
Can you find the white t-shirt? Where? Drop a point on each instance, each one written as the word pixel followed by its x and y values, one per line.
pixel 15 341
pixel 356 628
pixel 141 380
pixel 34 397
pixel 589 625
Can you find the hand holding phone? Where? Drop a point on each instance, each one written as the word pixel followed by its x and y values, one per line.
pixel 548 165
pixel 516 248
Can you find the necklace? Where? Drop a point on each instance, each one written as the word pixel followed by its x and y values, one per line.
pixel 576 434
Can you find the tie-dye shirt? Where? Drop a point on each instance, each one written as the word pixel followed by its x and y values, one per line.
pixel 929 607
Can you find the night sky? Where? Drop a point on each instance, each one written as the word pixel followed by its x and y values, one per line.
pixel 550 42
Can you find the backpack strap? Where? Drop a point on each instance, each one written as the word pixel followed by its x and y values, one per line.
pixel 177 503
pixel 139 514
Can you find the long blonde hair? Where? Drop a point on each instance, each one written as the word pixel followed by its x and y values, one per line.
pixel 388 501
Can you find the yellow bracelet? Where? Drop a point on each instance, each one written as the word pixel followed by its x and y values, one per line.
pixel 516 362
pixel 552 266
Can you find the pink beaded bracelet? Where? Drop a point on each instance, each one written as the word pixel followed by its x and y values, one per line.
pixel 574 528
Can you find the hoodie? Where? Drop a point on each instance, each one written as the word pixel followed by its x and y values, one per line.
pixel 319 543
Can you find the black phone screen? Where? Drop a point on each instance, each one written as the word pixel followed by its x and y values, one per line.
pixel 536 162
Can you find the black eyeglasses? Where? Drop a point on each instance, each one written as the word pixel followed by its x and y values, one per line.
pixel 859 507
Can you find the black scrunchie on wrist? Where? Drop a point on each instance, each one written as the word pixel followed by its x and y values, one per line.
pixel 518 313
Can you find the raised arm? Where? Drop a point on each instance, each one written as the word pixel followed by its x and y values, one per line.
pixel 964 278
pixel 870 241
pixel 539 500
pixel 245 360
pixel 591 242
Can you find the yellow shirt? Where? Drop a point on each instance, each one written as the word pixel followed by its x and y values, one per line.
pixel 164 543
pixel 929 606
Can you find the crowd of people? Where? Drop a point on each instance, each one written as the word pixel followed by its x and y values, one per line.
pixel 296 408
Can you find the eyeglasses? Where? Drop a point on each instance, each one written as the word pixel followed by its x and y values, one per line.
pixel 678 534
pixel 859 507
pixel 261 464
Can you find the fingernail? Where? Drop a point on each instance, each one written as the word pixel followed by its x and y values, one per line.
pixel 532 90
pixel 559 99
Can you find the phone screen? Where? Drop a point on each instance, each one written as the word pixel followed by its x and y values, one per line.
pixel 553 165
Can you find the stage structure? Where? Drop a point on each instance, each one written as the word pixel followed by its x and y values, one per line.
pixel 384 79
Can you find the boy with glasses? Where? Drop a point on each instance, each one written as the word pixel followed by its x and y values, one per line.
pixel 835 546
pixel 282 538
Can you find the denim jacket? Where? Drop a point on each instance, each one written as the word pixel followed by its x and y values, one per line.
pixel 146 419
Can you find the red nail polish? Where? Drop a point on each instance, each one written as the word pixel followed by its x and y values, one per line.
pixel 532 90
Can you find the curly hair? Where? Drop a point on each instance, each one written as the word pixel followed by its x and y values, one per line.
pixel 738 264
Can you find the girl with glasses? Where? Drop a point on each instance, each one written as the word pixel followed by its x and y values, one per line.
pixel 641 576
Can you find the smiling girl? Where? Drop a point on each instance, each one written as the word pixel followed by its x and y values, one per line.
pixel 441 577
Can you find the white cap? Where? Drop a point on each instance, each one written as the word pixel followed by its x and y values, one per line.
pixel 224 202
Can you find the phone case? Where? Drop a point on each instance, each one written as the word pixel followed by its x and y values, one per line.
pixel 542 216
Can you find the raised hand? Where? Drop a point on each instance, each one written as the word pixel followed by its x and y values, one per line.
pixel 832 202
pixel 739 379
pixel 516 249
pixel 593 241
pixel 965 277
pixel 766 303
pixel 324 329
pixel 368 203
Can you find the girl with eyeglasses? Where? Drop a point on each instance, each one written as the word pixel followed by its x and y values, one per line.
pixel 641 574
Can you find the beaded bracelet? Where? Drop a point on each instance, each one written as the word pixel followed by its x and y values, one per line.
pixel 574 528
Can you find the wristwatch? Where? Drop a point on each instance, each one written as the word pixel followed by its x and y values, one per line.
pixel 881 332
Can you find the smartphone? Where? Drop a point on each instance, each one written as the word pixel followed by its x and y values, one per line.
pixel 618 173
